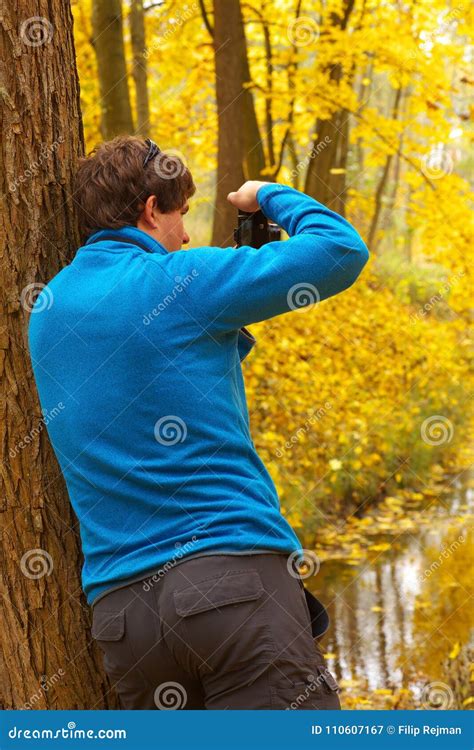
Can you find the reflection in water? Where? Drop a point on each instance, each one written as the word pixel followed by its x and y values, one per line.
pixel 396 619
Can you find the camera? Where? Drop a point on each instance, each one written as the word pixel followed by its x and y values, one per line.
pixel 254 229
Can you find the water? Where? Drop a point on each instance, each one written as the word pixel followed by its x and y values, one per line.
pixel 400 619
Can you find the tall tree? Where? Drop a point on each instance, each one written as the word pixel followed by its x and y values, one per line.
pixel 139 69
pixel 107 39
pixel 240 154
pixel 47 656
pixel 326 174
pixel 227 39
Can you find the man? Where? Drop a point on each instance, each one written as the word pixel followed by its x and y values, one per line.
pixel 188 562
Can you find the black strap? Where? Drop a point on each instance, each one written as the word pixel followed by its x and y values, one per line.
pixel 114 238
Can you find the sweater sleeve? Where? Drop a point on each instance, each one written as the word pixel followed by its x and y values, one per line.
pixel 234 287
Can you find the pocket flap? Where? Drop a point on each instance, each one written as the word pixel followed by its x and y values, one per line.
pixel 108 626
pixel 217 591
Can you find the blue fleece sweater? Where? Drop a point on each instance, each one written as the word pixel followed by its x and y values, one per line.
pixel 136 354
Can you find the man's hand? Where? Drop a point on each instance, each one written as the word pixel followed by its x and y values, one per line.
pixel 246 196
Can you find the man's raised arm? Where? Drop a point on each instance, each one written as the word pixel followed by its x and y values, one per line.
pixel 237 286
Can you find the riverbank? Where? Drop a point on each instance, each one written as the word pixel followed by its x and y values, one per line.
pixel 398 588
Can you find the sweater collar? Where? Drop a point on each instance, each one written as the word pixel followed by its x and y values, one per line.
pixel 129 235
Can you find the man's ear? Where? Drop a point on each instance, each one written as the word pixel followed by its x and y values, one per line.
pixel 148 215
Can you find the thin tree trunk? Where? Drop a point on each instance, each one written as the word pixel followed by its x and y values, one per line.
pixel 326 174
pixel 107 39
pixel 48 661
pixel 228 45
pixel 379 193
pixel 139 70
pixel 254 155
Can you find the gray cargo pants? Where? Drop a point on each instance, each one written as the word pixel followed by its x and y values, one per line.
pixel 214 632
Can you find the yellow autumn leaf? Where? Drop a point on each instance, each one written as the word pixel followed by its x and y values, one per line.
pixel 382 547
pixel 455 650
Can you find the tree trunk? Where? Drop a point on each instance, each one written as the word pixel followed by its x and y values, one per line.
pixel 139 70
pixel 228 45
pixel 107 39
pixel 48 661
pixel 326 174
pixel 382 184
pixel 254 155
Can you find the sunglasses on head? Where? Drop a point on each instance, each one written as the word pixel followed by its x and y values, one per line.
pixel 153 150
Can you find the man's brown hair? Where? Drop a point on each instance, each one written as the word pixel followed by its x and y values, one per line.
pixel 112 185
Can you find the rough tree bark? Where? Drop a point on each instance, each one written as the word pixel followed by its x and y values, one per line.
pixel 228 37
pixel 326 174
pixel 107 40
pixel 139 70
pixel 47 658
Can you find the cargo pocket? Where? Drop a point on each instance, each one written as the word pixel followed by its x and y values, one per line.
pixel 224 621
pixel 108 626
pixel 108 629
